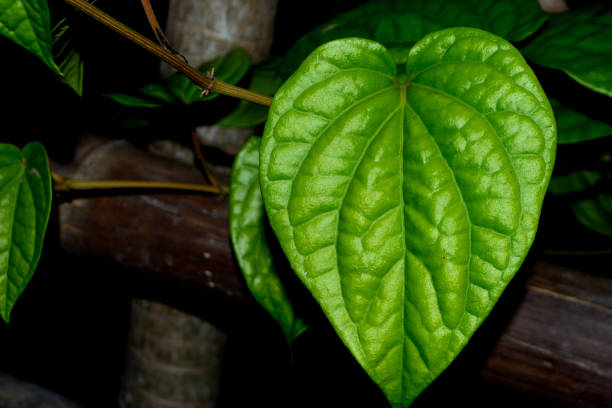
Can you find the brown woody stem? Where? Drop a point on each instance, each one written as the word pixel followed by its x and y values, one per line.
pixel 65 184
pixel 196 76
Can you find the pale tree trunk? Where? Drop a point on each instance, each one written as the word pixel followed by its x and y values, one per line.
pixel 204 29
pixel 174 359
pixel 554 6
pixel 15 393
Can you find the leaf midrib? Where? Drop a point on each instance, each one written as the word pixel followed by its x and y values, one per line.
pixel 467 212
pixel 348 187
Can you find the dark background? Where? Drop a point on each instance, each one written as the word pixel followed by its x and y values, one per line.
pixel 68 330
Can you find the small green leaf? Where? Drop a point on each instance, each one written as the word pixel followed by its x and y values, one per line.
pixel 580 44
pixel 132 101
pixel 72 70
pixel 27 23
pixel 595 209
pixel 159 92
pixel 266 81
pixel 151 96
pixel 25 205
pixel 573 127
pixel 247 224
pixel 229 68
pixel 595 213
pixel 398 24
pixel 573 182
pixel 407 207
pixel 246 115
pixel 70 63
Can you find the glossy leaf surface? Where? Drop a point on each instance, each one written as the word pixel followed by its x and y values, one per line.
pixel 573 127
pixel 406 208
pixel 25 204
pixel 398 24
pixel 579 43
pixel 27 23
pixel 247 229
pixel 229 68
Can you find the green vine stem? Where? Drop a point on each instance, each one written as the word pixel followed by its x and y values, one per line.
pixel 206 83
pixel 65 184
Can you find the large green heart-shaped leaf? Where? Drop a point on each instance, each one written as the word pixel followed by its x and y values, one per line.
pixel 27 22
pixel 398 24
pixel 247 229
pixel 25 204
pixel 579 43
pixel 406 208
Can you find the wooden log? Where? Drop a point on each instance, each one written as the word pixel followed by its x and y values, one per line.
pixel 173 358
pixel 201 30
pixel 557 343
pixel 183 237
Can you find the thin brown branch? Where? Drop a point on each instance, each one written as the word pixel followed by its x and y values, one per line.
pixel 198 152
pixel 193 74
pixel 157 30
pixel 66 184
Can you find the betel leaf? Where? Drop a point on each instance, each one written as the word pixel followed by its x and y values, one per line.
pixel 580 44
pixel 247 230
pixel 406 208
pixel 398 24
pixel 28 23
pixel 229 68
pixel 573 127
pixel 25 204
